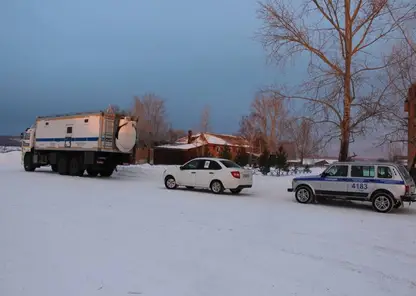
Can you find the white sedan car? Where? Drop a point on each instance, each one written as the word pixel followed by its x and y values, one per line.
pixel 213 173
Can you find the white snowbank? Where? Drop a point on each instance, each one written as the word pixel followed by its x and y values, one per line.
pixel 128 235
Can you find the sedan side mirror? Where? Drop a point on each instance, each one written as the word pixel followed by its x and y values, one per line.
pixel 181 168
pixel 323 175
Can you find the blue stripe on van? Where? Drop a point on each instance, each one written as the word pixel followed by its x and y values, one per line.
pixel 351 180
pixel 81 139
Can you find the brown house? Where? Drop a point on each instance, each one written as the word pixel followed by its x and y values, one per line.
pixel 198 145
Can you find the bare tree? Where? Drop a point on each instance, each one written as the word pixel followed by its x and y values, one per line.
pixel 152 125
pixel 175 134
pixel 402 75
pixel 268 115
pixel 306 137
pixel 205 119
pixel 249 131
pixel 395 151
pixel 340 38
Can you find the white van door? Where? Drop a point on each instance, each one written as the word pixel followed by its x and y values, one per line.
pixel 335 181
pixel 362 181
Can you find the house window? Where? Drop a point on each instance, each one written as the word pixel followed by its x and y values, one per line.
pixel 218 149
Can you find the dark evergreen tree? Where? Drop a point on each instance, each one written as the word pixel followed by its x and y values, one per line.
pixel 242 157
pixel 264 162
pixel 226 153
pixel 307 169
pixel 281 159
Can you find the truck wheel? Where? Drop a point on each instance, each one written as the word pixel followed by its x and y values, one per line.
pixel 75 168
pixel 106 172
pixel 63 166
pixel 28 162
pixel 92 173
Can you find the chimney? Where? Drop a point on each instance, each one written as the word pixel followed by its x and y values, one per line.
pixel 189 137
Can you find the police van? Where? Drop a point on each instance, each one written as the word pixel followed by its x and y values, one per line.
pixel 385 185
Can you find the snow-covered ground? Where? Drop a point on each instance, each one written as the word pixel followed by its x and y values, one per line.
pixel 128 235
pixel 6 149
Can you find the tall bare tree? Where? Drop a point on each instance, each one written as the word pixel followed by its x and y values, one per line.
pixel 250 132
pixel 175 134
pixel 268 114
pixel 395 151
pixel 205 119
pixel 402 74
pixel 342 39
pixel 306 137
pixel 152 125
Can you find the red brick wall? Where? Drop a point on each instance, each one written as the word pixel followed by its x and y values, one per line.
pixel 216 150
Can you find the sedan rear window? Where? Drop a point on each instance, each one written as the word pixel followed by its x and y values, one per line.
pixel 229 164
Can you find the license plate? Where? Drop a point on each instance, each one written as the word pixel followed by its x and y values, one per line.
pixel 246 175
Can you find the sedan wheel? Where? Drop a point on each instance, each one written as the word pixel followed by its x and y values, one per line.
pixel 216 187
pixel 170 182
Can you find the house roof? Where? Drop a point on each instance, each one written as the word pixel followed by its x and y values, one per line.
pixel 180 146
pixel 215 139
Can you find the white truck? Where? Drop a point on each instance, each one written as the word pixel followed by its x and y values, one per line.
pixel 72 143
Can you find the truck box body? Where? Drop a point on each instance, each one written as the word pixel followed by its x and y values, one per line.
pixel 80 132
pixel 72 143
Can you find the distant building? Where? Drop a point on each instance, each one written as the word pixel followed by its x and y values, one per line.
pixel 198 145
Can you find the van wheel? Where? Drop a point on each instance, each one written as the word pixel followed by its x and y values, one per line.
pixel 303 195
pixel 28 162
pixel 382 202
pixel 63 166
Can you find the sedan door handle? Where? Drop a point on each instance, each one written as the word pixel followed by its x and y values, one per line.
pixel 211 173
pixel 193 172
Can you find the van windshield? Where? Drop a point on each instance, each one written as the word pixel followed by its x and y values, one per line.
pixel 405 173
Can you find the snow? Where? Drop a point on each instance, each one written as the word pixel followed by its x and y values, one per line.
pixel 6 149
pixel 128 235
pixel 210 139
pixel 181 146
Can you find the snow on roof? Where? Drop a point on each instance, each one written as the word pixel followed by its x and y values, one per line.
pixel 215 139
pixel 181 146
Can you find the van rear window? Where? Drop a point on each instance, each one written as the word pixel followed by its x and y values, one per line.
pixel 404 172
